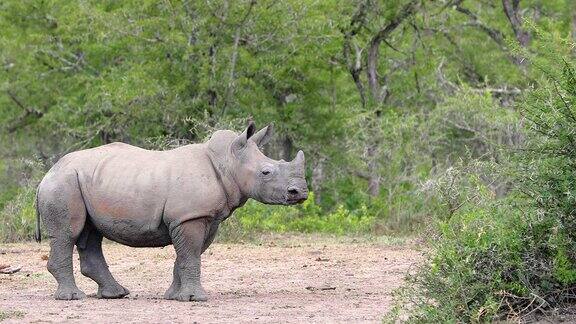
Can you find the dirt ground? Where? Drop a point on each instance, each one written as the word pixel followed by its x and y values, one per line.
pixel 282 279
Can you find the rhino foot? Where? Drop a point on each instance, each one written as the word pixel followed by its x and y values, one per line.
pixel 171 293
pixel 112 292
pixel 69 293
pixel 191 294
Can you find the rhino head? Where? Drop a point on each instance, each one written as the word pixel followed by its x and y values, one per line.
pixel 262 178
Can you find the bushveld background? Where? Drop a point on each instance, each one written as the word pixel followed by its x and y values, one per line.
pixel 453 118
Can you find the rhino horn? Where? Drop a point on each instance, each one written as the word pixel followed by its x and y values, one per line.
pixel 299 159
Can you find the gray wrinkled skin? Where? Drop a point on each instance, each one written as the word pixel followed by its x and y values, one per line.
pixel 147 198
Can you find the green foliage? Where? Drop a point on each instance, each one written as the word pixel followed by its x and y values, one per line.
pixel 18 210
pixel 440 132
pixel 564 267
pixel 18 216
pixel 307 218
pixel 508 258
pixel 492 260
pixel 472 267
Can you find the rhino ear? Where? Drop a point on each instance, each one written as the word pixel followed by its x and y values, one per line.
pixel 264 135
pixel 240 141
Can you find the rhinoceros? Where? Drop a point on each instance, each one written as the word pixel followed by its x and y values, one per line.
pixel 144 198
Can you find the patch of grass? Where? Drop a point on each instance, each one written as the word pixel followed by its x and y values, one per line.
pixel 256 218
pixel 296 239
pixel 17 208
pixel 18 217
pixel 7 314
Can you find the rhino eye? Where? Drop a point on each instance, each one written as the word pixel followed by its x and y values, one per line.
pixel 266 171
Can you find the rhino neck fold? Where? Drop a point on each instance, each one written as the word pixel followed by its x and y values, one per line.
pixel 234 196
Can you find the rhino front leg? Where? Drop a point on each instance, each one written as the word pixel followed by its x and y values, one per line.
pixel 174 290
pixel 188 240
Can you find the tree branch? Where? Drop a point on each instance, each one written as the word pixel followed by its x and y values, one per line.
pixel 494 34
pixel 354 64
pixel 234 58
pixel 26 118
pixel 511 9
pixel 374 48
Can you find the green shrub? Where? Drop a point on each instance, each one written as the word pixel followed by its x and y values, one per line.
pixel 18 217
pixel 502 260
pixel 17 203
pixel 474 265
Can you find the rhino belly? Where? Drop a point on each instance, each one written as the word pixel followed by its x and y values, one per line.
pixel 129 224
pixel 133 232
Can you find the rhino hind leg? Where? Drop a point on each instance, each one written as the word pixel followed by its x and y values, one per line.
pixel 212 229
pixel 62 209
pixel 60 266
pixel 188 239
pixel 93 265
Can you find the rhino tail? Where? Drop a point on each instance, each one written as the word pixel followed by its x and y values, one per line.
pixel 37 233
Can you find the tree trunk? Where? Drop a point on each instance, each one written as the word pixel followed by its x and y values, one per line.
pixel 232 75
pixel 287 148
pixel 318 179
pixel 212 94
pixel 106 137
pixel 234 59
pixel 574 24
pixel 375 88
pixel 373 172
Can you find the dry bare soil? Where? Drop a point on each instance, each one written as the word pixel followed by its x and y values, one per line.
pixel 281 279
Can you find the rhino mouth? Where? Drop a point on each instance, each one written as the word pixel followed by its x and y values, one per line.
pixel 294 201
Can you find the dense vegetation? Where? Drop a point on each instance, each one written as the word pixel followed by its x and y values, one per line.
pixel 453 116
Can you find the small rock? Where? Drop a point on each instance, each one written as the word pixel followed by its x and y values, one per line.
pixel 327 288
pixel 321 288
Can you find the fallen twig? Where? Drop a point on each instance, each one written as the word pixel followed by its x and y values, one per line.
pixel 6 269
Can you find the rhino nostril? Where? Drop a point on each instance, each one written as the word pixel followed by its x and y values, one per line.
pixel 292 191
